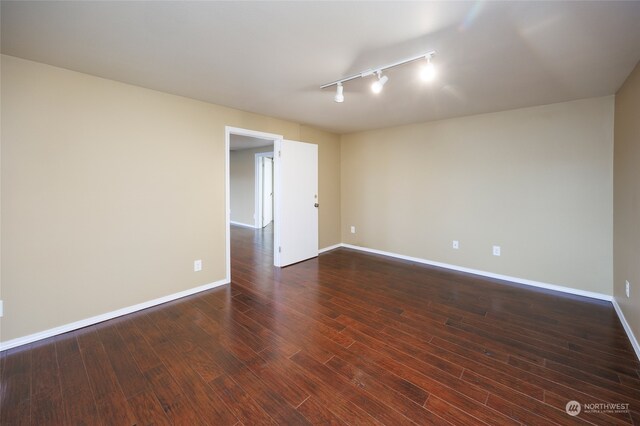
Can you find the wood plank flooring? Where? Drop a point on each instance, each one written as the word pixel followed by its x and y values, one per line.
pixel 347 338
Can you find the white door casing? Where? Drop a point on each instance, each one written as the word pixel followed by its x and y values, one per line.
pixel 258 189
pixel 267 190
pixel 228 131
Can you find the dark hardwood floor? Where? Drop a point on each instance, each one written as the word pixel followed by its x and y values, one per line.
pixel 347 338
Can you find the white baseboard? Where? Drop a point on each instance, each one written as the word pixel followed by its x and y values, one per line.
pixel 107 316
pixel 524 281
pixel 593 295
pixel 245 225
pixel 104 317
pixel 627 328
pixel 333 247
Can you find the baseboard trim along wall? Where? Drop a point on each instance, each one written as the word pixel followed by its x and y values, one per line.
pixel 107 316
pixel 245 225
pixel 627 328
pixel 524 281
pixel 124 311
pixel 593 295
pixel 333 247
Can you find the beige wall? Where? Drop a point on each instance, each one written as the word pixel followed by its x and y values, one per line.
pixel 626 208
pixel 111 191
pixel 328 183
pixel 242 184
pixel 536 181
pixel 1 195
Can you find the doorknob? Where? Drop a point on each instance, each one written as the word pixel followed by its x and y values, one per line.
pixel 316 205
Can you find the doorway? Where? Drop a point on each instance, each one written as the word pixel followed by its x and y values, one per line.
pixel 242 213
pixel 293 197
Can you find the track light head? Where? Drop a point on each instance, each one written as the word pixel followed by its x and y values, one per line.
pixel 428 72
pixel 339 93
pixel 377 85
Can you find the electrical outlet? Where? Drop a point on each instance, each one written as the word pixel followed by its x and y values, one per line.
pixel 496 250
pixel 197 265
pixel 353 229
pixel 456 244
pixel 626 288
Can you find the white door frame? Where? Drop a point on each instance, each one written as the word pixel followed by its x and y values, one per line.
pixel 228 131
pixel 258 189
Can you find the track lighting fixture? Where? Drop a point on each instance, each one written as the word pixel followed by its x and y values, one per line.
pixel 427 73
pixel 339 95
pixel 377 85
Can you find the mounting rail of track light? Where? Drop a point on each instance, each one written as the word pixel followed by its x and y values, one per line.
pixel 427 73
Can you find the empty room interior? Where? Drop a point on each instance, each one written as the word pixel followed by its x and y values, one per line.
pixel 327 213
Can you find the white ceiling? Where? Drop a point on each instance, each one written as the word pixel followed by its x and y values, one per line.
pixel 271 57
pixel 239 142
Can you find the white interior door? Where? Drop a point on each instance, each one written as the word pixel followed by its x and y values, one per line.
pixel 267 191
pixel 296 198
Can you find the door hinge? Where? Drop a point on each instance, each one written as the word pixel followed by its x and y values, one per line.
pixel 280 154
pixel 279 249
